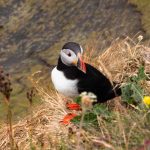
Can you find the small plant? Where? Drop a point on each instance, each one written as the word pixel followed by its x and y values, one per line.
pixel 5 85
pixel 30 95
pixel 5 89
pixel 132 91
pixel 90 112
pixel 91 116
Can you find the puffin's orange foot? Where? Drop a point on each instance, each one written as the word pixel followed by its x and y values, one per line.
pixel 73 106
pixel 66 120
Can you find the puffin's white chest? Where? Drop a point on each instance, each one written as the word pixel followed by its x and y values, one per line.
pixel 62 84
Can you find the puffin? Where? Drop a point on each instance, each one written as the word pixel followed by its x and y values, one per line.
pixel 72 76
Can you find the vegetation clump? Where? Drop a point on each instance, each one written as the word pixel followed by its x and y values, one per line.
pixel 120 124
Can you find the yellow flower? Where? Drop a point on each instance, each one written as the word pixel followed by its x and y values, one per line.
pixel 146 100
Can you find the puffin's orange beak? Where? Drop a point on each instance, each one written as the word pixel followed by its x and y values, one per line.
pixel 81 65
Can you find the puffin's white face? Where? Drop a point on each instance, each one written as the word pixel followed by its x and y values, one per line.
pixel 68 57
pixel 71 55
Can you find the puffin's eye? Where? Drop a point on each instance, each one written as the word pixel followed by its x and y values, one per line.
pixel 69 54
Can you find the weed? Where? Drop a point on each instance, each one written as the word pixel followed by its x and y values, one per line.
pixel 132 90
pixel 5 89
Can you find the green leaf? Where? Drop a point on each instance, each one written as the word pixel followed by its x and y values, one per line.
pixel 137 94
pixel 78 100
pixel 132 92
pixel 89 118
pixel 127 93
pixel 100 109
pixel 76 120
pixel 141 73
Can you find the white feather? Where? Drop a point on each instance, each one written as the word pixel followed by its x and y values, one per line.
pixel 63 85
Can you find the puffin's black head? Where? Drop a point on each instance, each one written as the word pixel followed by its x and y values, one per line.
pixel 71 55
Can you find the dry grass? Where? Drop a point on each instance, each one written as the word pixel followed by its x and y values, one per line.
pixel 121 59
pixel 127 129
pixel 42 125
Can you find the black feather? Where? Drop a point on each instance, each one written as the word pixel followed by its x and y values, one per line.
pixel 93 81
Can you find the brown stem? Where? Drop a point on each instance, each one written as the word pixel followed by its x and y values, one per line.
pixel 9 119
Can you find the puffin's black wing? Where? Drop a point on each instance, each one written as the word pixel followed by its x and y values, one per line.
pixel 94 81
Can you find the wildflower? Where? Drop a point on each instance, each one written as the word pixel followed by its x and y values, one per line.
pixel 87 99
pixel 140 38
pixel 146 100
